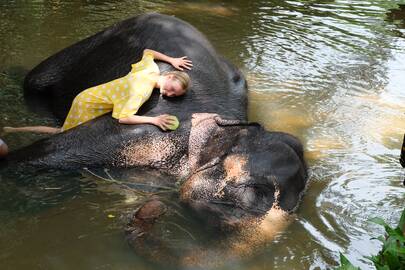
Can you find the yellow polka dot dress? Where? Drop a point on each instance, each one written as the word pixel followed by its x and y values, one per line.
pixel 123 96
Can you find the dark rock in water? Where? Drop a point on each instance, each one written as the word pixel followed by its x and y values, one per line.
pixel 402 159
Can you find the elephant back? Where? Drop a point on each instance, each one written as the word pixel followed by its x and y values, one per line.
pixel 217 86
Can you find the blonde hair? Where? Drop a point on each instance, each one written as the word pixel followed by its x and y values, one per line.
pixel 182 77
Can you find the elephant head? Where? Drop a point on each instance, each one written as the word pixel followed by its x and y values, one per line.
pixel 237 174
pixel 240 171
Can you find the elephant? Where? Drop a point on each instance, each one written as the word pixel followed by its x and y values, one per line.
pixel 232 172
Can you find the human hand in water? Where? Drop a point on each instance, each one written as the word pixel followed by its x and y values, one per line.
pixel 181 62
pixel 164 121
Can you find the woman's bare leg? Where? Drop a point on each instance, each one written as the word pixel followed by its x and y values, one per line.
pixel 35 129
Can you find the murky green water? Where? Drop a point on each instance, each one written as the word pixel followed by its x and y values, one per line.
pixel 330 72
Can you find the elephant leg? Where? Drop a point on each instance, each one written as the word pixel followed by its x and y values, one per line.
pixel 142 221
pixel 142 236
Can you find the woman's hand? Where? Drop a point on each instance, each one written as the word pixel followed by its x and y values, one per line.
pixel 181 62
pixel 163 121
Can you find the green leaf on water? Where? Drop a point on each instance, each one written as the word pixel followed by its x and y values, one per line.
pixel 401 224
pixel 345 264
pixel 391 259
pixel 378 221
pixel 382 267
pixel 392 255
pixel 381 222
pixel 380 238
pixel 374 259
pixel 395 246
pixel 398 232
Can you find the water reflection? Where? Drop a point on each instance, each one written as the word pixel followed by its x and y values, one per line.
pixel 329 72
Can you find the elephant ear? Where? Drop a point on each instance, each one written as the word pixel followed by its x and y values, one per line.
pixel 233 122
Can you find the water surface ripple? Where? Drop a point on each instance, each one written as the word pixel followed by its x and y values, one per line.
pixel 329 72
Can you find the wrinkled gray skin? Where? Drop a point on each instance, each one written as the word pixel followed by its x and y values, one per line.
pixel 233 172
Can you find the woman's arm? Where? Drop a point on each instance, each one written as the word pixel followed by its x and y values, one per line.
pixel 179 63
pixel 161 121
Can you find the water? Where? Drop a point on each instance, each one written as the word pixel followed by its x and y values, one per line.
pixel 329 72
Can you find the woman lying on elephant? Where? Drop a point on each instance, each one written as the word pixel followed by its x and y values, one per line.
pixel 124 96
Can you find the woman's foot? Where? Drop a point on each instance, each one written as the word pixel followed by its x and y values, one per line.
pixel 34 129
pixel 8 130
pixel 3 149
